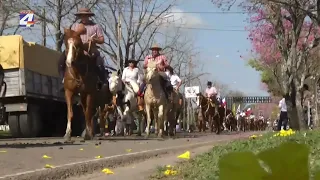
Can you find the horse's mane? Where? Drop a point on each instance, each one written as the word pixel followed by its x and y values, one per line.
pixel 152 64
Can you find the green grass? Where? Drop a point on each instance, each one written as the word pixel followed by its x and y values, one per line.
pixel 205 166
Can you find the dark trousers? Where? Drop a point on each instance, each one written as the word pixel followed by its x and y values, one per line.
pixel 99 68
pixel 283 120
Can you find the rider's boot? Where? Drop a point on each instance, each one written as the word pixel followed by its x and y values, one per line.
pixel 101 74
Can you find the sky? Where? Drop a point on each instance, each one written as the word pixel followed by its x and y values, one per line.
pixel 220 51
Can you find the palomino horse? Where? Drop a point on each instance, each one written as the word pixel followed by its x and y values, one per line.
pixel 209 113
pixel 129 102
pixel 80 77
pixel 155 99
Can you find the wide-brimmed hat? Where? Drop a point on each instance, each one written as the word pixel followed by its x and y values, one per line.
pixel 155 47
pixel 84 11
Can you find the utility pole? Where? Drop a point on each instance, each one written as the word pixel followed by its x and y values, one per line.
pixel 44 28
pixel 119 39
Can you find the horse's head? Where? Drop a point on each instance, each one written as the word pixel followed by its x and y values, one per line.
pixel 73 43
pixel 114 83
pixel 151 71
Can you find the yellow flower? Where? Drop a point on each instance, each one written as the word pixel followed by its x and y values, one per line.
pixel 253 136
pixel 170 172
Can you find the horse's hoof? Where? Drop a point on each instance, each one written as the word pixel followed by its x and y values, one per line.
pixel 88 137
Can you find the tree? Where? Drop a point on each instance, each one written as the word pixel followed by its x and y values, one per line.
pixel 270 75
pixel 140 22
pixel 281 33
pixel 7 15
pixel 59 14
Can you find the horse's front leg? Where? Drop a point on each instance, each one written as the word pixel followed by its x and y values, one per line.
pixel 87 105
pixel 161 119
pixel 68 96
pixel 147 106
pixel 103 114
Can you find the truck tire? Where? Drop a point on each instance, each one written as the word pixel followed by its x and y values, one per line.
pixel 13 121
pixel 30 122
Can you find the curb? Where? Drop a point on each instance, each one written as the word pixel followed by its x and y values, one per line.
pixel 91 166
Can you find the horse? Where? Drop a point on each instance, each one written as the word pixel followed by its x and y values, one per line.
pixel 242 123
pixel 129 106
pixel 103 106
pixel 174 109
pixel 155 99
pixel 230 121
pixel 209 113
pixel 80 77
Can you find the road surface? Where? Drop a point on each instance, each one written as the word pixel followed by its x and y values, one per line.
pixel 21 156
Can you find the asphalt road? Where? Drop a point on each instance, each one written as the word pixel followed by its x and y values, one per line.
pixel 21 156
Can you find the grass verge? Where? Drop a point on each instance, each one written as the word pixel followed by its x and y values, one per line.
pixel 205 166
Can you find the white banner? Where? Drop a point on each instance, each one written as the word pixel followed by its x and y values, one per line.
pixel 191 92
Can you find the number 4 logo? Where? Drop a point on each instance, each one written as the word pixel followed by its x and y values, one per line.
pixel 26 20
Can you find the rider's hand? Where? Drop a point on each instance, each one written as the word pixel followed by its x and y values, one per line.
pixel 161 67
pixel 177 88
pixel 92 39
pixel 86 53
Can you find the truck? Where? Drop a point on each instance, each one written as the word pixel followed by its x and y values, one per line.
pixel 33 104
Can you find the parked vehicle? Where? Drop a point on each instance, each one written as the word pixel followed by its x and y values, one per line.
pixel 32 104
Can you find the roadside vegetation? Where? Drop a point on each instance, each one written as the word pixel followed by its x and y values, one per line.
pixel 238 159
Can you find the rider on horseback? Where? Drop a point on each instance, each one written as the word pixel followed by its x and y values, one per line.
pixel 211 92
pixel 175 82
pixel 132 74
pixel 94 34
pixel 162 65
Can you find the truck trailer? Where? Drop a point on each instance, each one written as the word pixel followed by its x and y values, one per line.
pixel 33 104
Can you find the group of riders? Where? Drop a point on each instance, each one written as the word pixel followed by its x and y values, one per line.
pixel 91 35
pixel 94 35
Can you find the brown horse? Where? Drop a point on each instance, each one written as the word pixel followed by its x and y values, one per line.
pixel 80 77
pixel 209 113
pixel 242 124
pixel 230 121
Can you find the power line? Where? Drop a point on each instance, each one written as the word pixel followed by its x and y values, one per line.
pixel 210 29
pixel 192 12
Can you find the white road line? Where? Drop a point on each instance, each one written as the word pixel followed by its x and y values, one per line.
pixel 105 158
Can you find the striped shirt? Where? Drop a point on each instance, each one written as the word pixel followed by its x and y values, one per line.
pixel 161 61
pixel 92 28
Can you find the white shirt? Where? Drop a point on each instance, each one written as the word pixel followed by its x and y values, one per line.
pixel 131 75
pixel 283 105
pixel 174 79
pixel 252 116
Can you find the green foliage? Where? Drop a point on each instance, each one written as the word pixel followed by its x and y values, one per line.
pixel 287 161
pixel 286 151
pixel 267 76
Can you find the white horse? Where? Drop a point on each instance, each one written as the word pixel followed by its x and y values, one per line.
pixel 129 102
pixel 155 100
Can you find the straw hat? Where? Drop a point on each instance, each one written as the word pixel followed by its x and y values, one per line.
pixel 155 47
pixel 84 11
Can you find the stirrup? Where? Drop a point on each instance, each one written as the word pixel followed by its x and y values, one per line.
pixel 62 80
